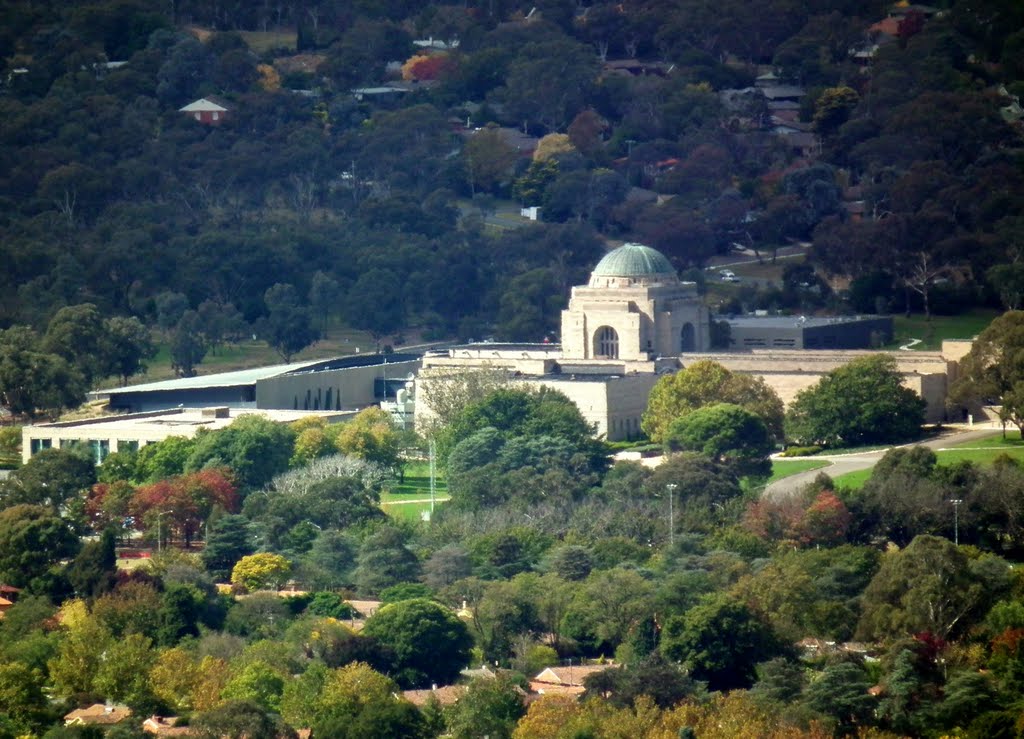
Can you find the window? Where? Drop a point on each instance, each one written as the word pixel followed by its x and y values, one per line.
pixel 216 115
pixel 127 445
pixel 606 343
pixel 38 445
pixel 100 448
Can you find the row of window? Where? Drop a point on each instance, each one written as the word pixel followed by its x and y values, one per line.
pixel 627 426
pixel 100 448
pixel 331 400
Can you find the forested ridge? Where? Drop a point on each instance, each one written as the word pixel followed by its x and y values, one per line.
pixel 369 208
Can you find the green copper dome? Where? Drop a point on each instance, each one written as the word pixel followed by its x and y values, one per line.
pixel 633 260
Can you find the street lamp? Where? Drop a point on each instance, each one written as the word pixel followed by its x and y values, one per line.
pixel 671 487
pixel 159 538
pixel 956 520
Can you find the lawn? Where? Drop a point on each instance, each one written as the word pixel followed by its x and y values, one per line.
pixel 784 467
pixel 854 480
pixel 765 270
pixel 416 484
pixel 931 333
pixel 337 341
pixel 993 442
pixel 981 457
pixel 408 511
pixel 981 452
pixel 263 41
pixel 408 499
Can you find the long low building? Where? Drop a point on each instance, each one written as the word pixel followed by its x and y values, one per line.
pixel 324 384
pixel 635 321
pixel 788 371
pixel 129 432
pixel 803 332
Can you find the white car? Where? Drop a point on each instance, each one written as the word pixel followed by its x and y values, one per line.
pixel 728 276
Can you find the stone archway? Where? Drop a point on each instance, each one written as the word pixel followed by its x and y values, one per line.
pixel 688 338
pixel 606 343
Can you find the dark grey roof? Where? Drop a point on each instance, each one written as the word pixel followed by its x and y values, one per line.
pixel 794 321
pixel 241 378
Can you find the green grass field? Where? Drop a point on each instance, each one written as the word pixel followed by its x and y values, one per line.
pixel 932 332
pixel 408 499
pixel 853 480
pixel 337 341
pixel 982 453
pixel 784 467
pixel 263 41
pixel 997 441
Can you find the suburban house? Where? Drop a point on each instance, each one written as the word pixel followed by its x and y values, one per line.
pixel 446 695
pixel 165 726
pixel 206 110
pixel 98 714
pixel 564 680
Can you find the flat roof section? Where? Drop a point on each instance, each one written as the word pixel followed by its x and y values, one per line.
pixel 240 378
pixel 188 418
pixel 795 321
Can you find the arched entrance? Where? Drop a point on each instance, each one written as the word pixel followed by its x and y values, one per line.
pixel 606 343
pixel 689 338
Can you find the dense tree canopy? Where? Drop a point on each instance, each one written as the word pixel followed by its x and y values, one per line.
pixel 430 644
pixel 705 383
pixel 863 402
pixel 993 370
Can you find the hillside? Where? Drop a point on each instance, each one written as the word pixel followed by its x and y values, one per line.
pixel 359 154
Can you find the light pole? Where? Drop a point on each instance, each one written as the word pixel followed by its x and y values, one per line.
pixel 671 487
pixel 159 538
pixel 956 520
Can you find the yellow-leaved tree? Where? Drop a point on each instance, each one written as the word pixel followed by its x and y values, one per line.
pixel 263 570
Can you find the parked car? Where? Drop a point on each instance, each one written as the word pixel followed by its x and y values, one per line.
pixel 728 275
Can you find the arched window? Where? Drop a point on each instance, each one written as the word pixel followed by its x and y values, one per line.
pixel 689 338
pixel 606 343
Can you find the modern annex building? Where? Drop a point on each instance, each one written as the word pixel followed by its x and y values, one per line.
pixel 332 389
pixel 335 384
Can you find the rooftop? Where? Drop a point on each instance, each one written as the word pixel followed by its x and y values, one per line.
pixel 203 104
pixel 187 420
pixel 633 260
pixel 795 321
pixel 571 675
pixel 446 695
pixel 98 713
pixel 252 376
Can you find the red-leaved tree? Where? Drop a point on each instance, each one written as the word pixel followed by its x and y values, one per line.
pixel 184 502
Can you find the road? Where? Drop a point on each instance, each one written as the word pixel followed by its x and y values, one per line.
pixel 843 463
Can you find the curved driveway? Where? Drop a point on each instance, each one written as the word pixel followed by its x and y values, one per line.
pixel 843 463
